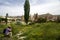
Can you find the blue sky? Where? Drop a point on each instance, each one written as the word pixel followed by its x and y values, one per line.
pixel 16 7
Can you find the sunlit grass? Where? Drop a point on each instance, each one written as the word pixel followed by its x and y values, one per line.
pixel 37 31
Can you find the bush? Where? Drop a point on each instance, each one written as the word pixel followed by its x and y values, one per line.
pixel 18 23
pixel 41 20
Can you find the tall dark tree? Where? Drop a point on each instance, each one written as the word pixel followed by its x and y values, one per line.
pixel 0 20
pixel 26 11
pixel 35 17
pixel 6 20
pixel 58 19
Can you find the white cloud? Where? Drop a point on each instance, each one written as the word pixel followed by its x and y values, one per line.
pixel 37 6
pixel 13 11
pixel 53 7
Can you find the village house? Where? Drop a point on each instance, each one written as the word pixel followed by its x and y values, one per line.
pixel 47 16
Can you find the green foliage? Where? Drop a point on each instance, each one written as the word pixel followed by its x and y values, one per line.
pixel 26 11
pixel 41 20
pixel 2 19
pixel 18 23
pixel 58 19
pixel 6 20
pixel 44 31
pixel 37 31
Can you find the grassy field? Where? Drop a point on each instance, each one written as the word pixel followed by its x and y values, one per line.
pixel 37 31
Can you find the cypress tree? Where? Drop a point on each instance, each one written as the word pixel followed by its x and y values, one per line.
pixel 26 11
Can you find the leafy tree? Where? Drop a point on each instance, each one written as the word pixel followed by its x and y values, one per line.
pixel 36 17
pixel 6 20
pixel 58 18
pixel 41 20
pixel 26 11
pixel 2 19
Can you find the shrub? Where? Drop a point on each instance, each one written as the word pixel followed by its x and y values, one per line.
pixel 41 20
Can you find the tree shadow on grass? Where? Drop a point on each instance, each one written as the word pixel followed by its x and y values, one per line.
pixel 58 38
pixel 5 38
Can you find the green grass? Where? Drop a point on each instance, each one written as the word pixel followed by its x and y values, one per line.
pixel 37 31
